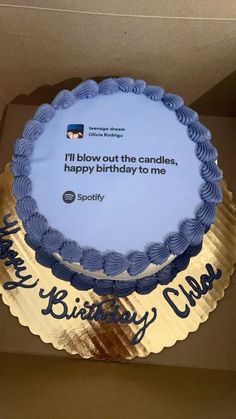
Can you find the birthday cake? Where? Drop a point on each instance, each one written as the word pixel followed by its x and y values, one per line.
pixel 116 184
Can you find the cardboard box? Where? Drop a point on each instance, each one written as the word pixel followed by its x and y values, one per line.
pixel 187 48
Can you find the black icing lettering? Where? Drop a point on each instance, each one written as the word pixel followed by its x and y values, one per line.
pixel 106 311
pixel 183 314
pixel 188 295
pixel 195 286
pixel 81 313
pixel 210 270
pixel 207 280
pixel 90 308
pixel 140 334
pixel 124 317
pixel 108 314
pixel 55 298
pixel 11 256
pixel 75 312
pixel 196 292
pixel 112 315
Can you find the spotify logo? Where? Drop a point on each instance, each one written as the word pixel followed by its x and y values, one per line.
pixel 68 197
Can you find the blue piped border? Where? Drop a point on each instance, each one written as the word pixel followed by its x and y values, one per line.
pixel 191 231
pixel 116 287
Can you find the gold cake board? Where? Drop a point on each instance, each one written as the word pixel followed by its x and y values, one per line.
pixel 160 325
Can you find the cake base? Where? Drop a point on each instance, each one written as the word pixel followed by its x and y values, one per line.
pixel 108 327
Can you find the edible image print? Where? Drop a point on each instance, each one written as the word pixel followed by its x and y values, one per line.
pixel 75 131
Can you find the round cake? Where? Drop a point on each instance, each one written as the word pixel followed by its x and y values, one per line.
pixel 116 184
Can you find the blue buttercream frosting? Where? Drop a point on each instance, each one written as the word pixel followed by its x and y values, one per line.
pixel 40 235
pixel 211 192
pixel 20 166
pixel 36 226
pixel 33 129
pixel 154 92
pixel 210 171
pixel 125 84
pixel 145 285
pixel 186 115
pixel 165 275
pixel 108 86
pixel 23 147
pixel 32 242
pixel 139 87
pixel 52 241
pixel 194 230
pixel 92 260
pixel 63 100
pixel 86 90
pixel 103 287
pixel 120 288
pixel 115 263
pixel 172 102
pixel 123 288
pixel 22 186
pixel 197 132
pixel 62 272
pixel 71 251
pixel 206 213
pixel 45 258
pixel 177 243
pixel 44 113
pixel 138 262
pixel 205 151
pixel 181 262
pixel 26 207
pixel 82 282
pixel 158 253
